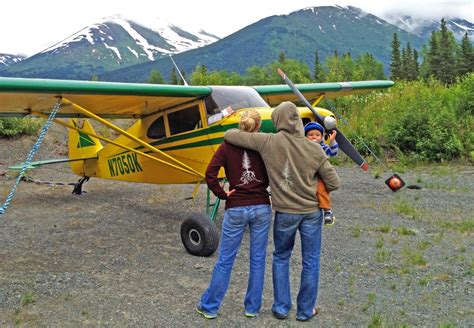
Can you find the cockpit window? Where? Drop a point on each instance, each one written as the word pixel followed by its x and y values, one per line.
pixel 184 120
pixel 235 97
pixel 157 129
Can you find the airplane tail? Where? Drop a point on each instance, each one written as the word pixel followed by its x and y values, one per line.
pixel 82 145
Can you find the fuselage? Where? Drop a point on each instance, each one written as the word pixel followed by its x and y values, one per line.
pixel 189 133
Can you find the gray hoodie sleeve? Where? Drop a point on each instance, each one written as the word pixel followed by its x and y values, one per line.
pixel 327 172
pixel 250 140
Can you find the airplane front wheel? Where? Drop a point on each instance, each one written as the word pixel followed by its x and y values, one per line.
pixel 199 235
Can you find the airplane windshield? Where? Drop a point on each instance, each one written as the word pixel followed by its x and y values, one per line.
pixel 235 97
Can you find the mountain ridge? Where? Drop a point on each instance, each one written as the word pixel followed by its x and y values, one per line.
pixel 112 43
pixel 298 34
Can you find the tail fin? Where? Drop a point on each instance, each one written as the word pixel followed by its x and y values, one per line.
pixel 82 145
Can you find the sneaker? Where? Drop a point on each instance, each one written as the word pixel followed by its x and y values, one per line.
pixel 280 316
pixel 205 314
pixel 329 218
pixel 250 315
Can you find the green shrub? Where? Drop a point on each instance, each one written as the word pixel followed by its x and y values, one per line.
pixel 413 121
pixel 12 127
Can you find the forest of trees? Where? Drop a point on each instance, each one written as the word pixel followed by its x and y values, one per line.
pixel 443 58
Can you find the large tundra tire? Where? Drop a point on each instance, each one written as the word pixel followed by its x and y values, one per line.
pixel 199 235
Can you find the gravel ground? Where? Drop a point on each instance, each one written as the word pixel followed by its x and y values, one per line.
pixel 113 257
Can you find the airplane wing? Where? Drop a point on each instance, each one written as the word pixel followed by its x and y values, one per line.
pixel 275 94
pixel 19 97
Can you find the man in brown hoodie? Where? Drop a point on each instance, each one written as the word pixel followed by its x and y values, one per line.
pixel 292 162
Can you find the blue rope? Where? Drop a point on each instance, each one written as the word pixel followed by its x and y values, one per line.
pixel 31 154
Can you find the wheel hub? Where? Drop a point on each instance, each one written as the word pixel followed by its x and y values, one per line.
pixel 194 237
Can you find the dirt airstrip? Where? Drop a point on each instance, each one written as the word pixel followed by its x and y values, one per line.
pixel 113 257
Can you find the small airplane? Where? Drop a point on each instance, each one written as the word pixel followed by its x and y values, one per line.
pixel 176 131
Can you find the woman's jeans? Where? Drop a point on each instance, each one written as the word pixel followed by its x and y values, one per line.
pixel 284 232
pixel 236 220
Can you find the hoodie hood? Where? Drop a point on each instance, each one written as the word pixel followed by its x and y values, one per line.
pixel 287 118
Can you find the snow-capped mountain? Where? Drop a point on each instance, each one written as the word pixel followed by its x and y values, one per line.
pixel 298 34
pixel 7 60
pixel 114 42
pixel 423 27
pixel 153 41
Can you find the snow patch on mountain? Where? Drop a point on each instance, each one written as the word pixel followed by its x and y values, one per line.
pixel 175 38
pixel 7 60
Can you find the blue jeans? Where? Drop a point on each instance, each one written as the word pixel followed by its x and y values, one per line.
pixel 236 220
pixel 284 232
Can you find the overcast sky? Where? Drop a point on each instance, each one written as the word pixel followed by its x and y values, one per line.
pixel 30 26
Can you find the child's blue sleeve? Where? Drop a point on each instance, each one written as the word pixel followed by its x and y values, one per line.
pixel 330 150
pixel 333 149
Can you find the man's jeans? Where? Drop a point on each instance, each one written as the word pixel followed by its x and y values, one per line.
pixel 236 220
pixel 284 232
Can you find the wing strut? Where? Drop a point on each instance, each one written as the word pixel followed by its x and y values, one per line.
pixel 69 126
pixel 132 137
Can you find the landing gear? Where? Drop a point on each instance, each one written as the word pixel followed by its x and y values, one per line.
pixel 199 235
pixel 78 186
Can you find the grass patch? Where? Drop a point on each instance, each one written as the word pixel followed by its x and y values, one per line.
pixel 425 280
pixel 447 325
pixel 356 232
pixel 405 208
pixel 465 226
pixel 413 257
pixel 27 298
pixel 382 255
pixel 351 283
pixel 391 269
pixel 379 243
pixel 383 228
pixel 371 298
pixel 402 231
pixel 441 171
pixel 423 245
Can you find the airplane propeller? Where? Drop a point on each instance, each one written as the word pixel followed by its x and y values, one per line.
pixel 329 124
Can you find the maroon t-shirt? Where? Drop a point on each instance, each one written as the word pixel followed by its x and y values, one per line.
pixel 245 172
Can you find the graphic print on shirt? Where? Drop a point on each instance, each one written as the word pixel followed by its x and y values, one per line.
pixel 247 175
pixel 286 184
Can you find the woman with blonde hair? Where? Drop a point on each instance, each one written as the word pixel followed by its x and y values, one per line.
pixel 247 205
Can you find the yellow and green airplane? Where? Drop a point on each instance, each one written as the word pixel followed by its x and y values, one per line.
pixel 176 131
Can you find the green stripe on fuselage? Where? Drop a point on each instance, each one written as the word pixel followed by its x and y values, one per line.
pixel 267 126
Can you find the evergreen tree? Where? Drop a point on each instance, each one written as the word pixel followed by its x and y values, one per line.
pixel 465 58
pixel 319 73
pixel 446 52
pixel 395 59
pixel 433 58
pixel 416 65
pixel 405 63
pixel 410 67
pixel 281 57
pixel 156 78
pixel 174 77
